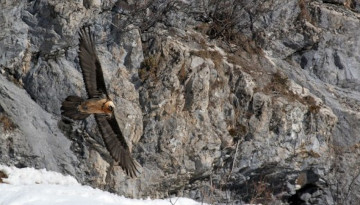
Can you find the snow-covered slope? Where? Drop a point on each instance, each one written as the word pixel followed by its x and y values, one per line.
pixel 29 186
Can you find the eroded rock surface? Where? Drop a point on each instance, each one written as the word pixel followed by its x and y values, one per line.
pixel 223 102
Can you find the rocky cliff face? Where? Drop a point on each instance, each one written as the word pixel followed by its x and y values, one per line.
pixel 223 102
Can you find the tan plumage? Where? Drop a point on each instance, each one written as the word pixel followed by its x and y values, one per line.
pixel 99 104
pixel 96 106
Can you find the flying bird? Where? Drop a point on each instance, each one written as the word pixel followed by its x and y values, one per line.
pixel 99 104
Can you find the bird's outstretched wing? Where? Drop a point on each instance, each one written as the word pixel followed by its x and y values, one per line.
pixel 116 143
pixel 90 65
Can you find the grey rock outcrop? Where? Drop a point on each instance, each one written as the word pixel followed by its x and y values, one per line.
pixel 221 101
pixel 44 144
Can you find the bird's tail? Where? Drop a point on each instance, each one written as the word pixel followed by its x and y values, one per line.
pixel 69 108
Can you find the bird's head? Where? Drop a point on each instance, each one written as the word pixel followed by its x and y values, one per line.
pixel 109 107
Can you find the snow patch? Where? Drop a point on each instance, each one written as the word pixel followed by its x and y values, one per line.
pixel 29 186
pixel 27 176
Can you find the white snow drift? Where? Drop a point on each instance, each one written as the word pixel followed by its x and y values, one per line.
pixel 29 186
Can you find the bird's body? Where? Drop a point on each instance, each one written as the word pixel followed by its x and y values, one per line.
pixel 98 104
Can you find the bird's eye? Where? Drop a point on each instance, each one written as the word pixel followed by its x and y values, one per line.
pixel 111 108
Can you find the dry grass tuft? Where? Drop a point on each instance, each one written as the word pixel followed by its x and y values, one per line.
pixel 350 4
pixel 262 193
pixel 149 67
pixel 182 74
pixel 304 11
pixel 217 59
pixel 7 123
pixel 279 85
pixel 2 176
pixel 239 131
pixel 224 18
pixel 313 106
pixel 215 56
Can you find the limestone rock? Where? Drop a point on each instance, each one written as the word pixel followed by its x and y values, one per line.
pixel 221 101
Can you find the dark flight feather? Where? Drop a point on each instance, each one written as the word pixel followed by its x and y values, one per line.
pixel 90 65
pixel 69 108
pixel 116 144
